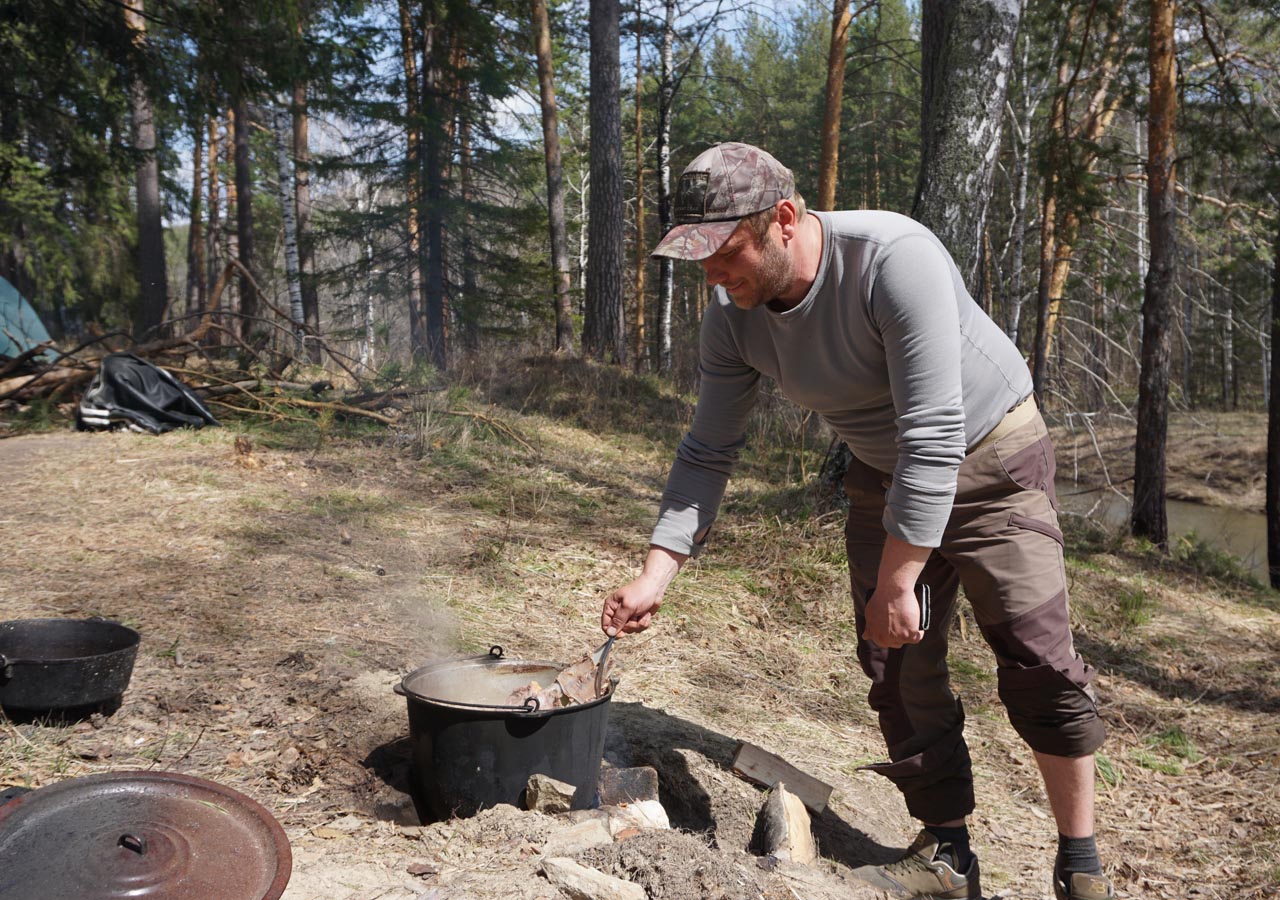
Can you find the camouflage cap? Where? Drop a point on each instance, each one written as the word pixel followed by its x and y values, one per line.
pixel 716 190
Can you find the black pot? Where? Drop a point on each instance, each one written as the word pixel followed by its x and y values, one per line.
pixel 473 752
pixel 64 665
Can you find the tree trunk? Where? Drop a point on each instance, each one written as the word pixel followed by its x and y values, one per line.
pixel 214 227
pixel 195 231
pixel 967 54
pixel 1057 238
pixel 153 292
pixel 640 356
pixel 833 99
pixel 1017 227
pixel 555 180
pixel 1149 515
pixel 604 330
pixel 666 102
pixel 470 299
pixel 1273 417
pixel 244 219
pixel 302 189
pixel 232 235
pixel 410 37
pixel 293 270
pixel 435 159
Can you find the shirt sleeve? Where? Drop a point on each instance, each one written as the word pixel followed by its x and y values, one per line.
pixel 727 392
pixel 915 308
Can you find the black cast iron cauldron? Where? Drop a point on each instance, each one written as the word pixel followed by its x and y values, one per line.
pixel 61 665
pixel 473 752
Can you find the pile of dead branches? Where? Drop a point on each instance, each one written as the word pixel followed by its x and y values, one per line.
pixel 256 388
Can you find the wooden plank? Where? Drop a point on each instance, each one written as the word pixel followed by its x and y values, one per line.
pixel 764 768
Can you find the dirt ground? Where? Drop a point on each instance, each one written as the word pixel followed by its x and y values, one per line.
pixel 282 590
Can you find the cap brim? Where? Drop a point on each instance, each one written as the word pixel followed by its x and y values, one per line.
pixel 695 241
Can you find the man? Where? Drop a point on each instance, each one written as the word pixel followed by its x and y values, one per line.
pixel 862 317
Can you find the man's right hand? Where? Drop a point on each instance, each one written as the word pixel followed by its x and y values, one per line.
pixel 893 618
pixel 631 608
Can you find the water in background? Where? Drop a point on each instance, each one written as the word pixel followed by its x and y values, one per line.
pixel 1240 532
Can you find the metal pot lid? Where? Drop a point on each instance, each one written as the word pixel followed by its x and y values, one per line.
pixel 142 835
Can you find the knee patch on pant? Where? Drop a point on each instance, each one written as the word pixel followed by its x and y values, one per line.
pixel 1050 711
pixel 936 783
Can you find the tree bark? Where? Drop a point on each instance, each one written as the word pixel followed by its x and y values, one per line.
pixel 435 159
pixel 604 330
pixel 214 227
pixel 666 102
pixel 1061 216
pixel 410 37
pixel 152 280
pixel 1148 517
pixel 1017 227
pixel 555 181
pixel 833 100
pixel 302 190
pixel 1273 415
pixel 640 355
pixel 195 230
pixel 283 129
pixel 967 55
pixel 244 219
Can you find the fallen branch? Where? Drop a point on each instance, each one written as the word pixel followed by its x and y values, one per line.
pixel 495 424
pixel 340 408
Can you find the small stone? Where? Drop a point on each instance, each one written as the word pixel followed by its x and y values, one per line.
pixel 581 883
pixel 628 785
pixel 577 838
pixel 645 814
pixel 545 794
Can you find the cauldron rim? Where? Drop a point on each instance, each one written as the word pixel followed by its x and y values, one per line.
pixel 438 666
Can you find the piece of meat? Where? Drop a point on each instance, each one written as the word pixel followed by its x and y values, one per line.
pixel 578 680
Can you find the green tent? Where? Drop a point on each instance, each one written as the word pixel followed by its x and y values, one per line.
pixel 20 325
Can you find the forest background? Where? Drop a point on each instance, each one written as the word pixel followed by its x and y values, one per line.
pixel 371 186
pixel 401 249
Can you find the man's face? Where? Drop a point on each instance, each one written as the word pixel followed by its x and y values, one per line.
pixel 751 272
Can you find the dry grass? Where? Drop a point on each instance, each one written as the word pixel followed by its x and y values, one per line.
pixel 282 586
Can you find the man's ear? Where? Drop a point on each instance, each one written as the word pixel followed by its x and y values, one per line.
pixel 786 217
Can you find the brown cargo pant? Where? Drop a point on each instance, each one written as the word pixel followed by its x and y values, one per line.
pixel 1002 542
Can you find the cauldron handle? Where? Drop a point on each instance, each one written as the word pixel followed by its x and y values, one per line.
pixel 7 663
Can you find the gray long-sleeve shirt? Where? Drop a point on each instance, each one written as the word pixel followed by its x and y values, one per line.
pixel 887 346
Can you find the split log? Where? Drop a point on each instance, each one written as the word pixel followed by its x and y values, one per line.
pixel 782 828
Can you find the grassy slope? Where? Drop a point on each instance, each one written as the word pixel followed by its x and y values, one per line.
pixel 510 505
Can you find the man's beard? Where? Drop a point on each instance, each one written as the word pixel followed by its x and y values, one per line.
pixel 775 274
